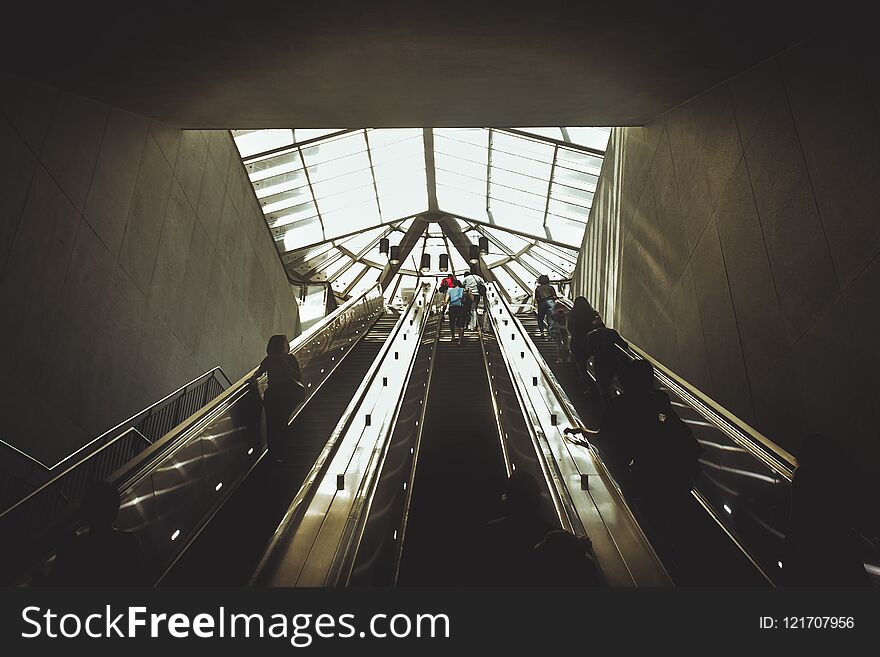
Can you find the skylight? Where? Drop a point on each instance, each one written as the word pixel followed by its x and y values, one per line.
pixel 330 195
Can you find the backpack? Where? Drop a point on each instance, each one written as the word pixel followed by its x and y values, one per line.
pixel 670 453
pixel 481 289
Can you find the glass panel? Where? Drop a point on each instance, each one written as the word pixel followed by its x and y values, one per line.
pixel 334 149
pixel 319 261
pixel 569 210
pixel 492 259
pixel 273 166
pixel 513 243
pixel 527 259
pixel 466 150
pixel 571 195
pixel 367 280
pixel 590 137
pixel 553 252
pixel 523 147
pixel 515 164
pixel 579 161
pixel 357 243
pixel 303 255
pixel 325 191
pixel 473 170
pixel 527 220
pixel 456 201
pixel 402 187
pixel 277 202
pixel 345 278
pixel 456 261
pixel 334 171
pixel 346 199
pixel 302 233
pixel 575 179
pixel 301 134
pixel 475 136
pixel 513 288
pixel 329 270
pixel 296 213
pixel 282 183
pixel 461 182
pixel 378 138
pixel 351 219
pixel 522 273
pixel 565 230
pixel 552 133
pixel 517 197
pixel 251 142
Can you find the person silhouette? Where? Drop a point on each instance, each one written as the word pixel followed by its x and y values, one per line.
pixel 101 555
pixel 284 392
pixel 580 323
pixel 820 547
pixel 606 348
pixel 508 542
pixel 563 559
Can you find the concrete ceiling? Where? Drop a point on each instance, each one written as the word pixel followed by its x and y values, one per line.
pixel 357 64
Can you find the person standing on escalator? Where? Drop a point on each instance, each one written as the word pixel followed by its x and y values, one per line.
pixel 651 452
pixel 476 286
pixel 457 309
pixel 606 347
pixel 284 393
pixel 580 323
pixel 545 300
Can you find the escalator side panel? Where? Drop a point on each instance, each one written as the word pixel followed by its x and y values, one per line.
pixel 459 475
pixel 246 521
pixel 375 564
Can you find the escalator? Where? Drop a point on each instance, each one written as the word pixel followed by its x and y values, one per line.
pixel 204 481
pixel 227 550
pixel 703 553
pixel 419 470
pixel 460 471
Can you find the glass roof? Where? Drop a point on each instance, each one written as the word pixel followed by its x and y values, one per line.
pixel 330 195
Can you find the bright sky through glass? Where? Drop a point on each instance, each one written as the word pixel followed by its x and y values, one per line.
pixel 330 195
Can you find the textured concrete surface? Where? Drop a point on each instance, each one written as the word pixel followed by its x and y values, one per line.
pixel 400 63
pixel 133 257
pixel 736 239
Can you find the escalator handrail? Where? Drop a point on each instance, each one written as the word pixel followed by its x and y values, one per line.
pixel 292 517
pixel 746 436
pixel 398 552
pixel 562 503
pixel 122 427
pixel 699 497
pixel 343 562
pixel 131 422
pixel 141 465
pixel 573 418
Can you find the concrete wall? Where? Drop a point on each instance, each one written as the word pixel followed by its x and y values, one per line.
pixel 736 240
pixel 133 257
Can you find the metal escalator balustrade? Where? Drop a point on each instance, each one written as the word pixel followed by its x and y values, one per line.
pixel 458 476
pixel 745 479
pixel 316 542
pixel 709 553
pixel 48 492
pixel 378 550
pixel 585 495
pixel 245 523
pixel 171 488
